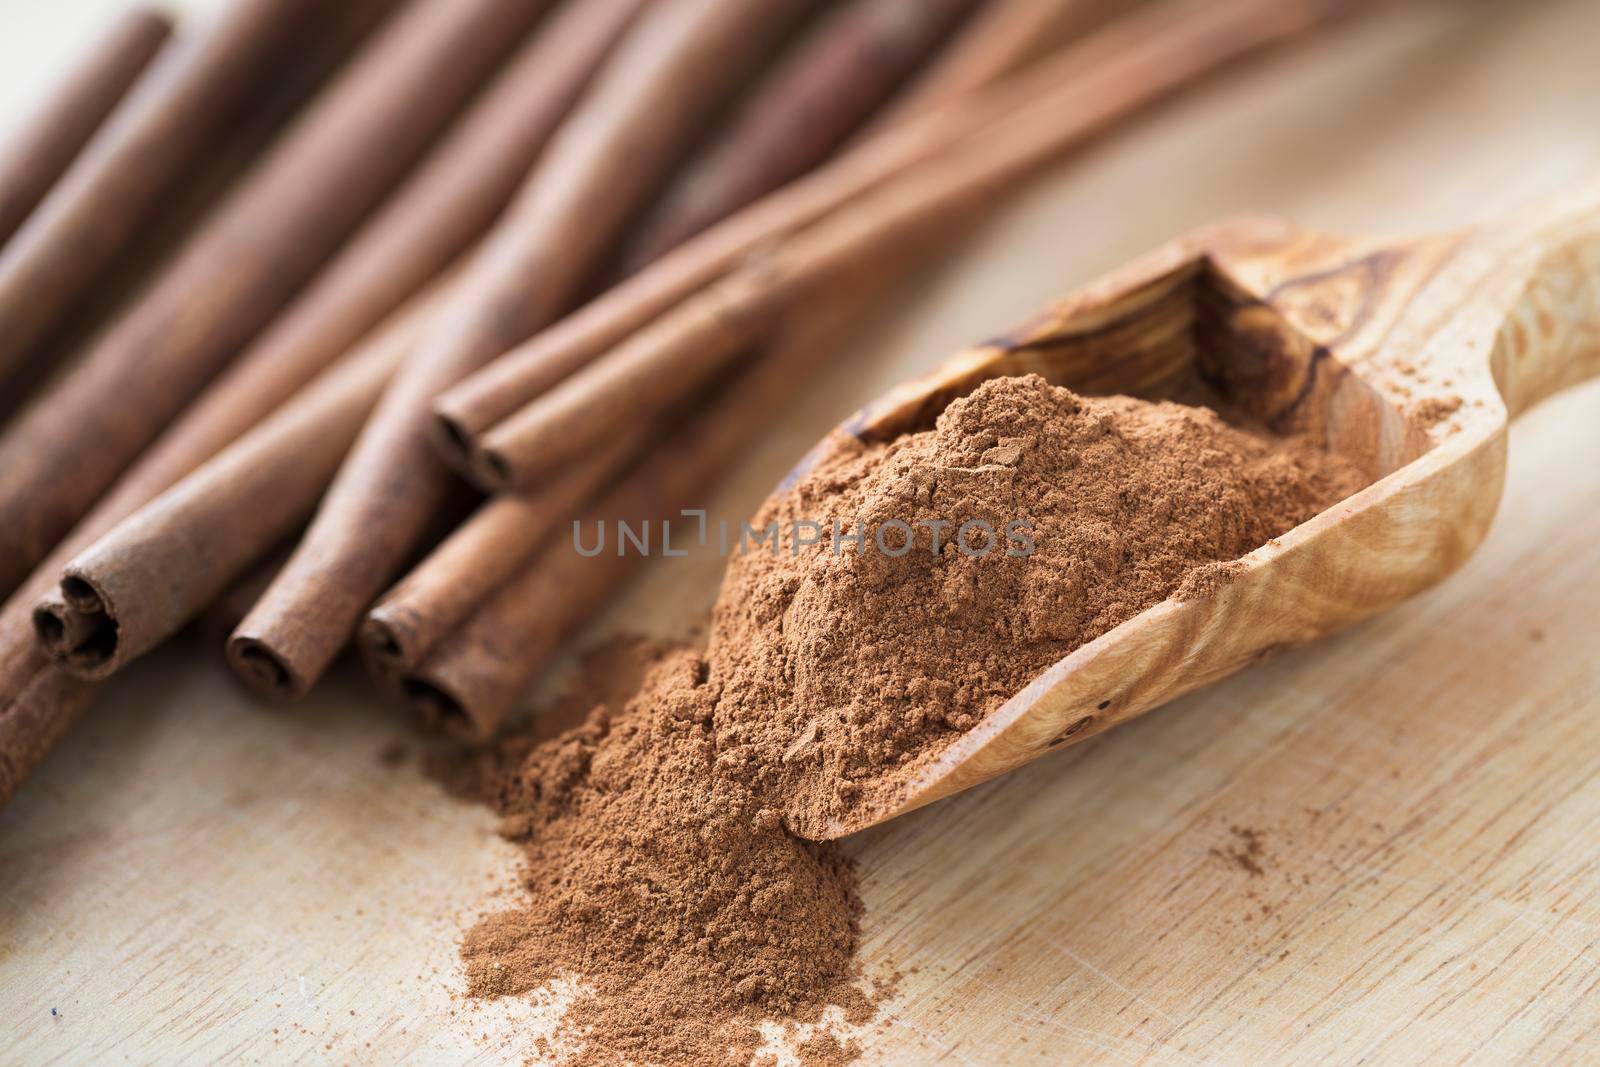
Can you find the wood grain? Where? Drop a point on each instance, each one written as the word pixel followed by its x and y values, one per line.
pixel 1425 788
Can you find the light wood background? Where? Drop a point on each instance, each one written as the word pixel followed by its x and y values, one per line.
pixel 194 879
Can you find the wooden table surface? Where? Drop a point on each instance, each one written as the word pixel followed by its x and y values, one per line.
pixel 1383 848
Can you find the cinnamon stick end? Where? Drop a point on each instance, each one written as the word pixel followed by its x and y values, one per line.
pixel 50 626
pixel 383 648
pixel 262 670
pixel 454 442
pixel 492 472
pixel 76 628
pixel 441 711
pixel 81 595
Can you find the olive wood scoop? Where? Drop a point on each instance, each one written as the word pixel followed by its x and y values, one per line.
pixel 1407 356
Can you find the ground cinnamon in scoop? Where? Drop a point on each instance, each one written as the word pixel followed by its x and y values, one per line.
pixel 662 871
pixel 844 671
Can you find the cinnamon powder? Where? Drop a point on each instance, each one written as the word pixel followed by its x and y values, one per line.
pixel 663 867
pixel 845 671
pixel 668 886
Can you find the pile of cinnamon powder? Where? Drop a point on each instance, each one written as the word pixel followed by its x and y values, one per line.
pixel 661 868
pixel 843 671
pixel 668 886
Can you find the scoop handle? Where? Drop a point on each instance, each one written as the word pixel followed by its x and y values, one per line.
pixel 1550 340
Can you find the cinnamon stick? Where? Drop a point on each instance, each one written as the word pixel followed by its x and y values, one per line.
pixel 681 350
pixel 818 95
pixel 466 410
pixel 469 409
pixel 225 612
pixel 439 594
pixel 450 200
pixel 245 264
pixel 173 118
pixel 668 74
pixel 39 701
pixel 34 719
pixel 35 155
pixel 160 567
pixel 472 680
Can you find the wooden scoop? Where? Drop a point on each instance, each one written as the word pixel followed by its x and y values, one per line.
pixel 1407 356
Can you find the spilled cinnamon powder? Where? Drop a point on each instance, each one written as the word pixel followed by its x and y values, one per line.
pixel 667 886
pixel 664 871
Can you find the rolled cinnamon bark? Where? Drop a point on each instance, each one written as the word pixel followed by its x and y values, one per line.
pixel 159 568
pixel 473 679
pixel 38 701
pixel 469 409
pixel 475 561
pixel 42 148
pixel 290 214
pixel 174 117
pixel 252 127
pixel 63 630
pixel 679 352
pixel 224 613
pixel 818 95
pixel 449 201
pixel 33 719
pixel 652 96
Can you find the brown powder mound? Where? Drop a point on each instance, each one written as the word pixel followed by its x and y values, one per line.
pixel 667 887
pixel 843 670
pixel 660 875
